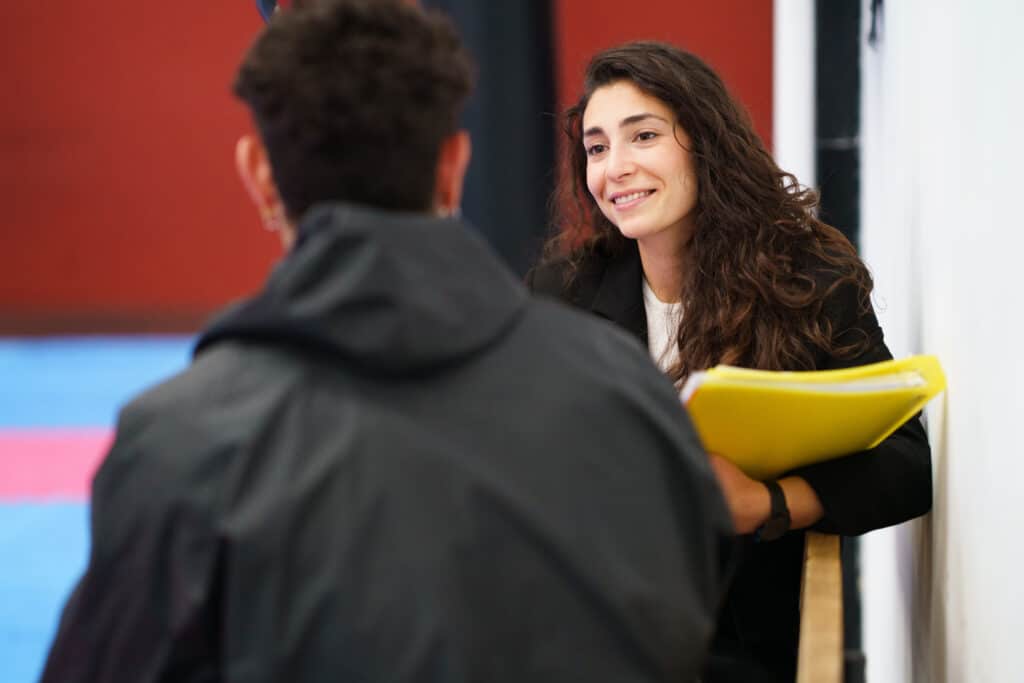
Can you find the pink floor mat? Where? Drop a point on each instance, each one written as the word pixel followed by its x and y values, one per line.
pixel 37 464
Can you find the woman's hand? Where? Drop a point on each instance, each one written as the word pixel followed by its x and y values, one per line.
pixel 751 505
pixel 748 499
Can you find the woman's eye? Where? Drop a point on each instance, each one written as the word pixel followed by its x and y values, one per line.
pixel 595 149
pixel 646 135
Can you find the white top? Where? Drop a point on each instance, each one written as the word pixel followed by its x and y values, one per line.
pixel 662 327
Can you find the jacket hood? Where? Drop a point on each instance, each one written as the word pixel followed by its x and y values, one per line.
pixel 391 291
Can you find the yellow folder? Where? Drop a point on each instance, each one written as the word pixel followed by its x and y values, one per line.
pixel 770 422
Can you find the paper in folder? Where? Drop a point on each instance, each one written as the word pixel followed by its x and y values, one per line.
pixel 770 422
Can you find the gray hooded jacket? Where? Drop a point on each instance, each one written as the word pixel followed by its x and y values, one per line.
pixel 393 465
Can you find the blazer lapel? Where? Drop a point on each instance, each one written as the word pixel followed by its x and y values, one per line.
pixel 619 296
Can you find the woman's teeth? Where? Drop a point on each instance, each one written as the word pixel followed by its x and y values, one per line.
pixel 623 199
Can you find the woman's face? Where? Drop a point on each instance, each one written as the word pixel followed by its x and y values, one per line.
pixel 639 168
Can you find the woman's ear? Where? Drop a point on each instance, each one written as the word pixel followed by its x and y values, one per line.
pixel 452 162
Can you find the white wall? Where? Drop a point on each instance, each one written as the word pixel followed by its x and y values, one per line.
pixel 793 88
pixel 943 172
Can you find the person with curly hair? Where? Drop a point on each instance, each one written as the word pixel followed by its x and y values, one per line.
pixel 675 223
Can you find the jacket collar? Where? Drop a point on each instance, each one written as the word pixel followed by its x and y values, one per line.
pixel 390 291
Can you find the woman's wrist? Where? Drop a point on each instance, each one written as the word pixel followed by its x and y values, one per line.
pixel 805 507
pixel 759 507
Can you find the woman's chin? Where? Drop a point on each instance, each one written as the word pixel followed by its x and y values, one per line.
pixel 637 232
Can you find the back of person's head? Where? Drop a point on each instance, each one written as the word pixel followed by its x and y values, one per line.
pixel 353 100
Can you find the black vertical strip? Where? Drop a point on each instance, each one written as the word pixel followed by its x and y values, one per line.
pixel 837 113
pixel 509 117
pixel 837 141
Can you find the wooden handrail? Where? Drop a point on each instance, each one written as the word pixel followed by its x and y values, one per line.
pixel 820 658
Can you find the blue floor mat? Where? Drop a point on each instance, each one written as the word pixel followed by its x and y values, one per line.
pixel 45 549
pixel 83 381
pixel 53 383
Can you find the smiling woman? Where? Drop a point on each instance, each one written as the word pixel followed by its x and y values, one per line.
pixel 640 173
pixel 676 223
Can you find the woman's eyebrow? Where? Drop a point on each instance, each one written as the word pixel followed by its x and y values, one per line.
pixel 637 118
pixel 628 121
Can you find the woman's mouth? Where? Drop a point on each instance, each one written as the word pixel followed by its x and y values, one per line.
pixel 630 199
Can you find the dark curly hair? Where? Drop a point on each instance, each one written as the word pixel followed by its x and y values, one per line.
pixel 353 98
pixel 760 264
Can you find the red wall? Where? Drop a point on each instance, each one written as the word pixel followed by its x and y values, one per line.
pixel 733 36
pixel 121 205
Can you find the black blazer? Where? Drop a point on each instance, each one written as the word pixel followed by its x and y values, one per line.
pixel 886 485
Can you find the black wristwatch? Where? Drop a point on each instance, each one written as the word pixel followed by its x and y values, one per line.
pixel 778 520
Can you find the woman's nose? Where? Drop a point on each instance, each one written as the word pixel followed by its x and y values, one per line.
pixel 620 163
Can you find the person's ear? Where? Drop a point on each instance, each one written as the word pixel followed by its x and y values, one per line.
pixel 452 162
pixel 253 165
pixel 254 170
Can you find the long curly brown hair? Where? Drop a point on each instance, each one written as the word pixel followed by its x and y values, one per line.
pixel 760 264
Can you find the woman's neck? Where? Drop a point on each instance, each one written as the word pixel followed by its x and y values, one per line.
pixel 663 268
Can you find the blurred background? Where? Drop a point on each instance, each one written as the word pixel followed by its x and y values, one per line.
pixel 126 228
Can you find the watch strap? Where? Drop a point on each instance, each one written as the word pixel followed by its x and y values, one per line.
pixel 778 518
